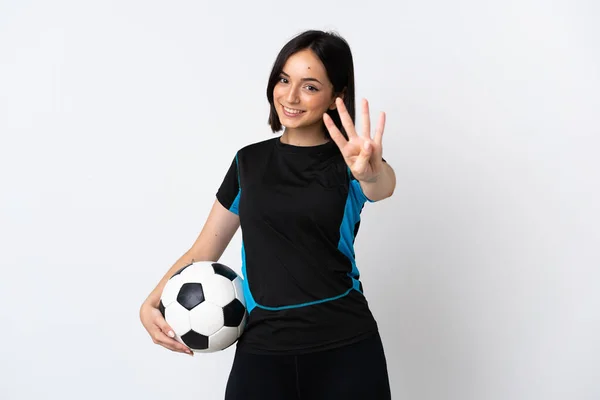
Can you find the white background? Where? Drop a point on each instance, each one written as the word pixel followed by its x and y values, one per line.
pixel 119 119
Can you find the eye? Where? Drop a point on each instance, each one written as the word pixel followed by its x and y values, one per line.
pixel 312 88
pixel 283 79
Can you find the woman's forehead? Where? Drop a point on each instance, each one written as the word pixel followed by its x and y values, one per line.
pixel 304 62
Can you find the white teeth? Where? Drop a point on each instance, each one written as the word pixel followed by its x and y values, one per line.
pixel 292 111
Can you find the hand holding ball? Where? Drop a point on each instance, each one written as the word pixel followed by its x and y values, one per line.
pixel 204 304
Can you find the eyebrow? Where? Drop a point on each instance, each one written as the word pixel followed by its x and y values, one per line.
pixel 308 79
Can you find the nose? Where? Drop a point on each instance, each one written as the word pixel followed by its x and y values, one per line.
pixel 292 95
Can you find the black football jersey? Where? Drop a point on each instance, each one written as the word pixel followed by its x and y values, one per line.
pixel 299 210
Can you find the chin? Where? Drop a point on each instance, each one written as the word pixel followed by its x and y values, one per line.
pixel 290 123
pixel 296 123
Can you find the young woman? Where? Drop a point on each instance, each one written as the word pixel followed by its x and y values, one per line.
pixel 298 198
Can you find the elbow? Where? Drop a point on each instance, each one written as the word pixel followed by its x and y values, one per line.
pixel 388 194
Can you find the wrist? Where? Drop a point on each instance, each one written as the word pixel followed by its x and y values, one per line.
pixel 372 179
pixel 381 186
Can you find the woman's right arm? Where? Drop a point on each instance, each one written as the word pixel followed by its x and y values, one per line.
pixel 219 228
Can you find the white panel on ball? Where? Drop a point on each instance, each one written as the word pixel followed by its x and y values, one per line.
pixel 218 290
pixel 225 337
pixel 239 289
pixel 206 318
pixel 197 272
pixel 178 318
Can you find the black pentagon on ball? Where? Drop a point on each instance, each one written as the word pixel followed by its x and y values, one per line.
pixel 224 270
pixel 195 341
pixel 233 313
pixel 190 295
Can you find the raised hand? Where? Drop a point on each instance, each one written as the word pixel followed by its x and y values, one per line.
pixel 362 154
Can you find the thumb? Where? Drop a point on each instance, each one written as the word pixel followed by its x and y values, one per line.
pixel 367 149
pixel 362 161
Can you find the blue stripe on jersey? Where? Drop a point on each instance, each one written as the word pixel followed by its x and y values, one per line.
pixel 250 302
pixel 354 204
pixel 235 206
pixel 310 303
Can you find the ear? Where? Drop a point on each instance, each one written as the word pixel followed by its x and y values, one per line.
pixel 341 95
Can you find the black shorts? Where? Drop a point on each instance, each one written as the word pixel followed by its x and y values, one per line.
pixel 353 372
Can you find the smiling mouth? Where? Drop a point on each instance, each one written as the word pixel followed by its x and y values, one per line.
pixel 291 111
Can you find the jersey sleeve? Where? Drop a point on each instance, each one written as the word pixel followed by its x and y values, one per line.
pixel 229 191
pixel 357 193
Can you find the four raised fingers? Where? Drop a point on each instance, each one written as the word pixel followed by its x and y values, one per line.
pixel 366 121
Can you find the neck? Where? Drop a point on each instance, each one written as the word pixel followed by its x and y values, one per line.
pixel 300 137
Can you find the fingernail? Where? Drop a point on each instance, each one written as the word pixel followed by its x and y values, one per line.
pixel 171 334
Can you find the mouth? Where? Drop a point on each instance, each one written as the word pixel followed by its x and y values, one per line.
pixel 291 112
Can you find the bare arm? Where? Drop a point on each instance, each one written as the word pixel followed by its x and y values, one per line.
pixel 219 228
pixel 381 187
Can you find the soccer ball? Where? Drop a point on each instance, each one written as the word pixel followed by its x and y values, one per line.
pixel 204 304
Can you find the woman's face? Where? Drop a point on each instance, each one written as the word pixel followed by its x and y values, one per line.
pixel 303 92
